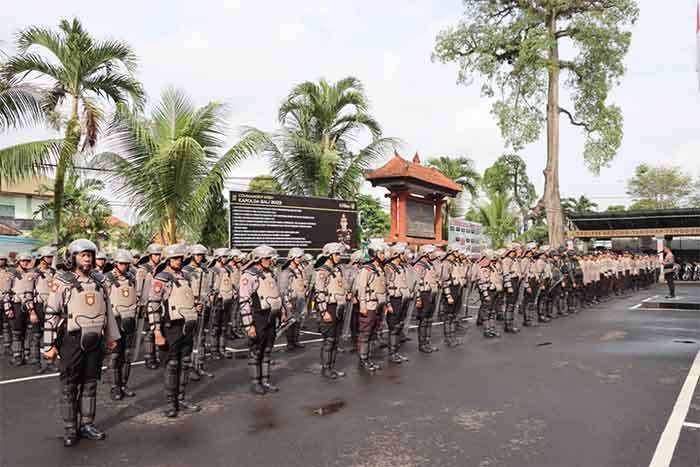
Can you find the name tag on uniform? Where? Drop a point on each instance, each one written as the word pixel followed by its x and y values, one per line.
pixel 125 292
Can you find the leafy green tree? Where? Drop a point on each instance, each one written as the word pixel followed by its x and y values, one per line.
pixel 82 72
pixel 171 166
pixel 374 220
pixel 85 213
pixel 265 184
pixel 580 205
pixel 311 154
pixel 615 208
pixel 497 219
pixel 460 170
pixel 214 231
pixel 521 49
pixel 659 187
pixel 536 233
pixel 509 175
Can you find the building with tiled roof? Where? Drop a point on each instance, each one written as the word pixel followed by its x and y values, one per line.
pixel 417 198
pixel 399 172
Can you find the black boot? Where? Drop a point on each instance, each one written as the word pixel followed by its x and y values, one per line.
pixel 171 385
pixel 18 358
pixel 265 379
pixel 222 345
pixel 182 402
pixel 88 404
pixel 125 373
pixel 149 351
pixel 297 336
pixel 428 335
pixel 394 356
pixel 334 370
pixel 69 412
pixel 363 350
pixel 423 345
pixel 291 345
pixel 326 349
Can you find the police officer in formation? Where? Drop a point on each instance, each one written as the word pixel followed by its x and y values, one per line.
pixel 144 275
pixel 261 308
pixel 172 316
pixel 120 283
pixel 79 323
pixel 294 290
pixel 330 296
pixel 86 315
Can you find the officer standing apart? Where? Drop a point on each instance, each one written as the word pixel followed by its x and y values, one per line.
pixel 330 296
pixel 79 320
pixel 121 284
pixel 261 304
pixel 172 315
pixel 669 263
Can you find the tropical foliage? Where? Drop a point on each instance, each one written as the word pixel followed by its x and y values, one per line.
pixel 82 73
pixel 314 153
pixel 520 51
pixel 85 213
pixel 374 221
pixel 172 165
pixel 580 205
pixel 660 187
pixel 497 219
pixel 265 184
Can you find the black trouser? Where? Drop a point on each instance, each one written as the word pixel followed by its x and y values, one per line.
pixel 367 325
pixel 424 316
pixel 395 321
pixel 177 355
pixel 18 324
pixel 330 327
pixel 670 283
pixel 80 367
pixel 449 314
pixel 260 346
pixel 119 360
pixel 293 331
pixel 487 311
pixel 219 322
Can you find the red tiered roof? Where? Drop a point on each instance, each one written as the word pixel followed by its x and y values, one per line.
pixel 400 168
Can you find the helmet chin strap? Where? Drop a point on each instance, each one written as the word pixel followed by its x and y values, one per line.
pixel 85 268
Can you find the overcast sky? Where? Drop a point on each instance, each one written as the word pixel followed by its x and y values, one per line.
pixel 250 54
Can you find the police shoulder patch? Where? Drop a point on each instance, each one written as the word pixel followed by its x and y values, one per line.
pixel 157 286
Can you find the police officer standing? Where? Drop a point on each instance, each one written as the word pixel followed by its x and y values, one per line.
pixel 172 316
pixel 223 302
pixel 121 285
pixel 44 279
pixel 293 289
pixel 669 264
pixel 399 295
pixel 144 276
pixel 451 287
pixel 6 276
pixel 23 291
pixel 428 283
pixel 201 281
pixel 78 323
pixel 371 297
pixel 330 296
pixel 261 305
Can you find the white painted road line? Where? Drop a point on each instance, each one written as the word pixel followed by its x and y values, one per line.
pixel 669 438
pixel 636 306
pixel 691 425
pixel 235 351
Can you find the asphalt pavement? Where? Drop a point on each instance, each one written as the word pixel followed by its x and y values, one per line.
pixel 599 388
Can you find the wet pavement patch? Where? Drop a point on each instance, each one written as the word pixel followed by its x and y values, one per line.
pixel 684 341
pixel 327 409
pixel 264 419
pixel 542 344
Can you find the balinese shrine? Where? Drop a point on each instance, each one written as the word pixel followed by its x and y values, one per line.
pixel 417 197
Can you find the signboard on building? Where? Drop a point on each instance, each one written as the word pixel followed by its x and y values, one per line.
pixel 284 222
pixel 467 234
pixel 420 219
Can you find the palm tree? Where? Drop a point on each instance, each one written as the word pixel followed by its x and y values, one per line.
pixel 581 205
pixel 460 170
pixel 82 72
pixel 170 165
pixel 498 221
pixel 85 212
pixel 311 154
